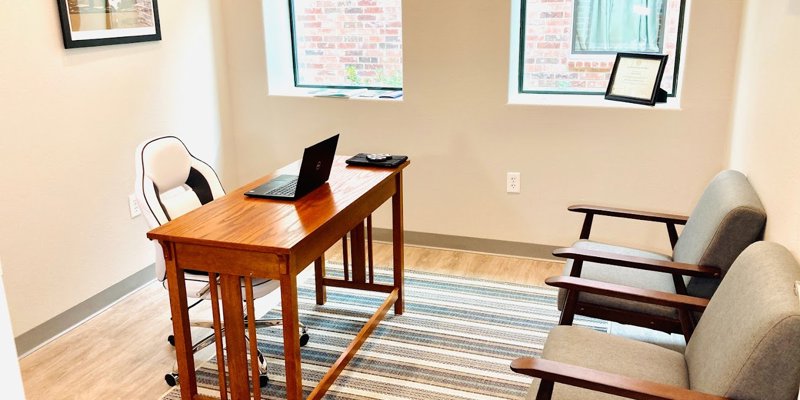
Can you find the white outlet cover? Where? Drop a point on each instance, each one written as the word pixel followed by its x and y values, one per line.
pixel 513 182
pixel 133 206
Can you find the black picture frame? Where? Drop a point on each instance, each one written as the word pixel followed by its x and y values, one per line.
pixel 87 23
pixel 636 78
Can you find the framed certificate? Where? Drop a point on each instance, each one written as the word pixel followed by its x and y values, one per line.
pixel 636 78
pixel 87 23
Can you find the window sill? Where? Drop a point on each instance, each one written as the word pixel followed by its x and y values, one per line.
pixel 595 101
pixel 308 92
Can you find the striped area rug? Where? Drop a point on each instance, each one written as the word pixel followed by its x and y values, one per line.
pixel 455 340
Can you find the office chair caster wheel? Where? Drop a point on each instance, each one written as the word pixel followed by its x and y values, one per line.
pixel 172 379
pixel 304 339
pixel 171 340
pixel 263 381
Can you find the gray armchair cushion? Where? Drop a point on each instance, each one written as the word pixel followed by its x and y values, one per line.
pixel 623 276
pixel 747 345
pixel 586 348
pixel 728 217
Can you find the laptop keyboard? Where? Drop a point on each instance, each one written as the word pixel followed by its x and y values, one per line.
pixel 286 190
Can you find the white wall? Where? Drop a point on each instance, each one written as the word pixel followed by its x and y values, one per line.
pixel 462 137
pixel 71 121
pixel 765 142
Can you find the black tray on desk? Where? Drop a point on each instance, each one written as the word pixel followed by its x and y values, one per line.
pixel 360 159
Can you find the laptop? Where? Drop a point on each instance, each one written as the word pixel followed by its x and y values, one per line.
pixel 315 169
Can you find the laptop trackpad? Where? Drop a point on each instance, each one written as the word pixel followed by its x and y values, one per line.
pixel 273 184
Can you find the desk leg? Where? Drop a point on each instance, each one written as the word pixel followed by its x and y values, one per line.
pixel 291 337
pixel 319 275
pixel 357 247
pixel 236 350
pixel 398 243
pixel 180 324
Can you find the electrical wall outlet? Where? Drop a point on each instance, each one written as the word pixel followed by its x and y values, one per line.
pixel 512 182
pixel 133 205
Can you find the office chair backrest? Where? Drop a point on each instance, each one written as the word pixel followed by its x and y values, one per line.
pixel 728 217
pixel 171 182
pixel 747 345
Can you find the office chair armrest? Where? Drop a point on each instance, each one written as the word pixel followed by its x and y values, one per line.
pixel 648 296
pixel 599 381
pixel 630 214
pixel 649 264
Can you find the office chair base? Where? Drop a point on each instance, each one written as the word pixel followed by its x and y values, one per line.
pixel 172 380
pixel 304 337
pixel 263 379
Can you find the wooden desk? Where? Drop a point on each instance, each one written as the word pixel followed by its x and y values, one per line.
pixel 236 237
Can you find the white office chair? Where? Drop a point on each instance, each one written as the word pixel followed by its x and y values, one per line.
pixel 169 183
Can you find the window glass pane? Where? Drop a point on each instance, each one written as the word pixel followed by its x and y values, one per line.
pixel 354 43
pixel 562 53
pixel 618 25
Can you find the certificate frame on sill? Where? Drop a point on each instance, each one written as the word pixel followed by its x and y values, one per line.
pixel 636 78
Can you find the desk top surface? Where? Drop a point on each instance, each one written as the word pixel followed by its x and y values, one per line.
pixel 275 226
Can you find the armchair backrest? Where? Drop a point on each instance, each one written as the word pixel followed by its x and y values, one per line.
pixel 728 217
pixel 170 182
pixel 747 345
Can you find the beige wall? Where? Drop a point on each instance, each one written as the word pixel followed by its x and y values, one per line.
pixel 765 143
pixel 463 137
pixel 8 354
pixel 71 120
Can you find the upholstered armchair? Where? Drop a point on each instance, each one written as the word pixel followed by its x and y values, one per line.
pixel 746 346
pixel 727 218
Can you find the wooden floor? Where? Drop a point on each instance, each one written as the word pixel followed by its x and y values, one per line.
pixel 122 353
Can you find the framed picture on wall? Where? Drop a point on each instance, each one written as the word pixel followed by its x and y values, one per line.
pixel 636 78
pixel 86 23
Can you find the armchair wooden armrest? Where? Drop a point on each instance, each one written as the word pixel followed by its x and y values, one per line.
pixel 670 219
pixel 679 301
pixel 553 371
pixel 630 214
pixel 670 267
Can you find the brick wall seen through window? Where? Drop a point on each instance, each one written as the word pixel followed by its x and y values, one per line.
pixel 549 65
pixel 348 43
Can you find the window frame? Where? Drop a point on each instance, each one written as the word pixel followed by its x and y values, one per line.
pixel 521 55
pixel 296 67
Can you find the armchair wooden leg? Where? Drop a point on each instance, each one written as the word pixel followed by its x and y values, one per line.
pixel 680 286
pixel 673 234
pixel 587 226
pixel 568 313
pixel 577 267
pixel 570 305
pixel 687 323
pixel 545 390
